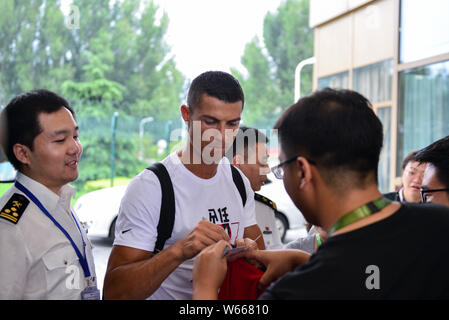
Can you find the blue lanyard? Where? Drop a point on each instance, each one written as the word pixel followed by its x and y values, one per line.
pixel 82 259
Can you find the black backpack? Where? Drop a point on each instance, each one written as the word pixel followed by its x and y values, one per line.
pixel 167 213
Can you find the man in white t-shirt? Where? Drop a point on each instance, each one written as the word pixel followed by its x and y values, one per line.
pixel 208 206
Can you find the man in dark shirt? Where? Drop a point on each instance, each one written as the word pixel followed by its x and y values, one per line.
pixel 376 249
pixel 412 176
pixel 435 186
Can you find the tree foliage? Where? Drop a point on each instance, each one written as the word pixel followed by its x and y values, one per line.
pixel 270 66
pixel 118 51
pixel 33 47
pixel 116 60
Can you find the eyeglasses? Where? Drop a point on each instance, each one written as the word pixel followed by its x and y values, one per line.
pixel 278 170
pixel 424 196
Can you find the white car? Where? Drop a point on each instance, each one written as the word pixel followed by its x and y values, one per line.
pixel 288 216
pixel 98 210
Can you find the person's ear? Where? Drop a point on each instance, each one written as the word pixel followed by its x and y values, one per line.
pixel 185 113
pixel 304 172
pixel 22 153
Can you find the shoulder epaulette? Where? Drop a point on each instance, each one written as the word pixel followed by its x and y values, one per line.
pixel 265 200
pixel 14 208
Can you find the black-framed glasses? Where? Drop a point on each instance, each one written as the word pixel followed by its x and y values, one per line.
pixel 424 193
pixel 278 170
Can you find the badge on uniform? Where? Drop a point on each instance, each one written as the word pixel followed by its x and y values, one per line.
pixel 90 293
pixel 14 208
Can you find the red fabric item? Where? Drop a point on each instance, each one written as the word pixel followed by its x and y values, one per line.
pixel 241 282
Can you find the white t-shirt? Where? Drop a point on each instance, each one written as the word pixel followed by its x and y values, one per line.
pixel 216 199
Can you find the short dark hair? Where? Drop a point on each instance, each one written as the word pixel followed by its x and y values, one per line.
pixel 437 154
pixel 247 137
pixel 410 157
pixel 217 84
pixel 20 119
pixel 338 130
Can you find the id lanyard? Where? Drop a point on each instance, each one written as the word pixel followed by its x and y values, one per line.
pixel 360 213
pixel 82 259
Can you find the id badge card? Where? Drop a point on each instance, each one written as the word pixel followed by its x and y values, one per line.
pixel 90 293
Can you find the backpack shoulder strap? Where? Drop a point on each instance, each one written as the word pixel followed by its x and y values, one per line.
pixel 167 214
pixel 238 181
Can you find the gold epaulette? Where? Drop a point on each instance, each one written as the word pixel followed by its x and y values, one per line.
pixel 265 200
pixel 14 208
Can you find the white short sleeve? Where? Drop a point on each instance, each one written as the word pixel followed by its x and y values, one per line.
pixel 14 262
pixel 249 214
pixel 139 213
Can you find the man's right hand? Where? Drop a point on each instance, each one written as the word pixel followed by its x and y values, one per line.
pixel 209 262
pixel 203 235
pixel 134 274
pixel 277 262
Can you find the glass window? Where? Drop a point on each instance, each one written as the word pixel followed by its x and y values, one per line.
pixel 423 113
pixel 384 115
pixel 424 29
pixel 336 81
pixel 374 81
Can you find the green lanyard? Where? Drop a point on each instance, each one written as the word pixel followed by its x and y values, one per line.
pixel 318 240
pixel 360 213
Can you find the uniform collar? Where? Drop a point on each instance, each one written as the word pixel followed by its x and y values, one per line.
pixel 47 197
pixel 401 194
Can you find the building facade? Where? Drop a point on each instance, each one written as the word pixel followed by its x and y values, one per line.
pixel 396 53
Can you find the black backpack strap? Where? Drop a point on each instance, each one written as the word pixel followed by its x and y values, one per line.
pixel 167 214
pixel 238 181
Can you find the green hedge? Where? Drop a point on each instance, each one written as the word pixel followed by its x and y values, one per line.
pixel 4 187
pixel 93 185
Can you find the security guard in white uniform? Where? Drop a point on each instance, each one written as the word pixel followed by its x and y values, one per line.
pixel 44 252
pixel 249 154
pixel 265 216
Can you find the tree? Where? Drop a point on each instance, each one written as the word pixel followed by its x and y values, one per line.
pixel 126 39
pixel 259 88
pixel 269 84
pixel 129 37
pixel 116 61
pixel 97 94
pixel 289 40
pixel 32 48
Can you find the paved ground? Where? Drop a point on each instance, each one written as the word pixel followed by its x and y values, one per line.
pixel 102 249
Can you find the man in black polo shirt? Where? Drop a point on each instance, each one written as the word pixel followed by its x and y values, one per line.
pixel 376 249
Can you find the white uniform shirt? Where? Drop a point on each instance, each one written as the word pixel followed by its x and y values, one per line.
pixel 401 195
pixel 216 199
pixel 265 215
pixel 37 261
